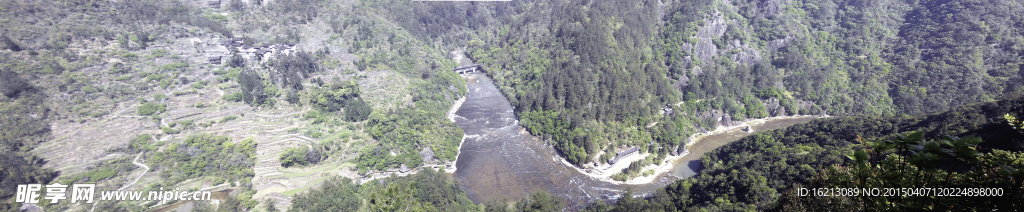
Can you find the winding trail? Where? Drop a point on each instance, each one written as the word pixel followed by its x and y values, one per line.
pixel 144 166
pixel 136 162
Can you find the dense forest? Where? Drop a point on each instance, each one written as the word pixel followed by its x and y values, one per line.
pixel 764 171
pixel 427 190
pixel 909 83
pixel 24 126
pixel 622 65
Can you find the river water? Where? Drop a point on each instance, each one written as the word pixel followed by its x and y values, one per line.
pixel 500 160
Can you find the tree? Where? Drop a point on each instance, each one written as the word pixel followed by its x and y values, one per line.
pixel 292 96
pixel 294 156
pixel 150 108
pixel 541 201
pixel 270 202
pixel 9 44
pixel 395 197
pixel 292 68
pixel 357 110
pixel 332 97
pixel 252 87
pixel 909 161
pixel 236 60
pixel 11 84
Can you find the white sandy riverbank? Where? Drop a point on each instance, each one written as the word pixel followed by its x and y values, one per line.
pixel 605 172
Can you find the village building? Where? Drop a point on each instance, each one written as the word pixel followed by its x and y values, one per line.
pixel 624 153
pixel 214 59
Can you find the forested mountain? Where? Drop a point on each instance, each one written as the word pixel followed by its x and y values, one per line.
pixel 591 74
pixel 426 191
pixel 335 86
pixel 765 170
pixel 366 84
pixel 24 126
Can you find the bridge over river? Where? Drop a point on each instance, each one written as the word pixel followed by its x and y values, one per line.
pixel 467 69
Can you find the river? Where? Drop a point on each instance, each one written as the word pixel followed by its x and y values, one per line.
pixel 500 160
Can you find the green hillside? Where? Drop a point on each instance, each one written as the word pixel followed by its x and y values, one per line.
pixel 278 96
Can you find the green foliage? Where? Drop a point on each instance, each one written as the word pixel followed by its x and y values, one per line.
pixel 293 67
pixel 406 132
pixel 216 17
pixel 168 130
pixel 597 67
pixel 173 66
pixel 186 124
pixel 357 110
pixel 181 93
pixel 228 118
pixel 428 190
pixel 7 43
pixel 294 156
pixel 102 171
pixel 634 168
pixel 234 97
pixel 21 133
pixel 206 155
pixel 763 171
pixel 157 53
pixel 150 108
pixel 253 90
pixel 12 84
pixel 236 61
pixel 199 84
pixel 755 109
pixel 1015 122
pixel 907 160
pixel 292 97
pixel 333 96
pixel 539 201
pixel 141 142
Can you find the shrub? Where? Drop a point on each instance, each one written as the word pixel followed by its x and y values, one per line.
pixel 234 97
pixel 9 44
pixel 228 118
pixel 199 84
pixel 294 156
pixel 357 110
pixel 150 108
pixel 168 130
pixel 332 97
pixel 292 96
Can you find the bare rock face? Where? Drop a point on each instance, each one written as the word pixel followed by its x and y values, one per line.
pixel 715 27
pixel 697 71
pixel 681 148
pixel 746 55
pixel 682 83
pixel 773 107
pixel 427 154
pixel 775 45
pixel 726 120
pixel 771 7
pixel 686 47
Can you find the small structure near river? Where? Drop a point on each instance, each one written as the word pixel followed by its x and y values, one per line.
pixel 624 153
pixel 467 69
